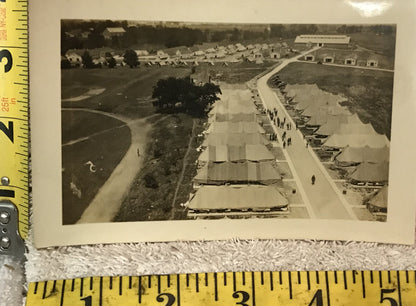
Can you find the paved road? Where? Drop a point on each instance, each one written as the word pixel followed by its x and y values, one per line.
pixel 108 199
pixel 324 197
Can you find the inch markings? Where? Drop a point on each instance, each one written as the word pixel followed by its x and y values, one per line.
pixel 291 291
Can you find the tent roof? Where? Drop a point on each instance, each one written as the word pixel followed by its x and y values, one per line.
pixel 237 197
pixel 356 140
pixel 235 127
pixel 327 39
pixel 364 154
pixel 236 117
pixel 333 123
pixel 294 89
pixel 223 153
pixel 355 128
pixel 235 139
pixel 323 115
pixel 320 97
pixel 325 107
pixel 115 30
pixel 380 198
pixel 369 172
pixel 263 172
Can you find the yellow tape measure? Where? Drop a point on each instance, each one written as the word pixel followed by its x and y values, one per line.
pixel 390 288
pixel 14 121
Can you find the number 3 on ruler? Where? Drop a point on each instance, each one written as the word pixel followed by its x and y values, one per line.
pixel 6 54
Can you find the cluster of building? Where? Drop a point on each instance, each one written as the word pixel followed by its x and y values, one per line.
pixel 232 53
pixel 339 50
pixel 348 58
pixel 237 172
pixel 356 146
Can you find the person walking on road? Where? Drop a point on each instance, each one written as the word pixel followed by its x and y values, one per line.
pixel 313 179
pixel 284 144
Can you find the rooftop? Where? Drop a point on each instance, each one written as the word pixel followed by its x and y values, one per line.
pixel 328 39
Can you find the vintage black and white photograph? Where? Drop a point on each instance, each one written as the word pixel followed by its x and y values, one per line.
pixel 201 121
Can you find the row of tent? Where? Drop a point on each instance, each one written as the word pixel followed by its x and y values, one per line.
pixel 340 130
pixel 237 170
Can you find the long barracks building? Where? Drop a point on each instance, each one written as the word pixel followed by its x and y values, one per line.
pixel 323 40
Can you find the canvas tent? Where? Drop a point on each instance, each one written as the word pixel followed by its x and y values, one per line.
pixel 224 107
pixel 325 107
pixel 323 115
pixel 356 129
pixel 297 89
pixel 378 202
pixel 339 141
pixel 333 123
pixel 237 117
pixel 220 173
pixel 352 156
pixel 318 98
pixel 237 198
pixel 235 127
pixel 235 139
pixel 223 153
pixel 369 172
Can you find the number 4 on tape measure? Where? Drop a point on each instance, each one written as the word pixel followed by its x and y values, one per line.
pixel 14 126
pixel 317 288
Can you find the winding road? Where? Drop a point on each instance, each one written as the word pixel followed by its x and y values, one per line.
pixel 108 199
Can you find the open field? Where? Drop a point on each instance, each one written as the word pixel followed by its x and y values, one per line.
pixel 105 150
pixel 233 73
pixel 128 91
pixel 79 124
pixel 369 92
pixel 383 44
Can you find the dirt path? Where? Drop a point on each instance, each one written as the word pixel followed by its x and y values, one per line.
pixel 172 215
pixel 107 201
pixel 90 93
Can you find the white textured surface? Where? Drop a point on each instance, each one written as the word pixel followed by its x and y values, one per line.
pixel 202 256
pixel 210 256
pixel 11 281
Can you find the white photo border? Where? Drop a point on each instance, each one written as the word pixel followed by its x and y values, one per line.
pixel 45 98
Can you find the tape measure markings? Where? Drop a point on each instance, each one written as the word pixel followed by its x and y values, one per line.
pixel 321 288
pixel 14 108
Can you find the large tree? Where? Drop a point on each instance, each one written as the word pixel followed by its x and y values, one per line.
pixel 87 60
pixel 183 95
pixel 131 58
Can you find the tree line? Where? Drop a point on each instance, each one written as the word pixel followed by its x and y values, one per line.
pixel 168 36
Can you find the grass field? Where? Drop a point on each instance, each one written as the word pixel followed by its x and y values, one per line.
pixel 384 44
pixel 234 73
pixel 79 124
pixel 105 150
pixel 369 92
pixel 128 91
